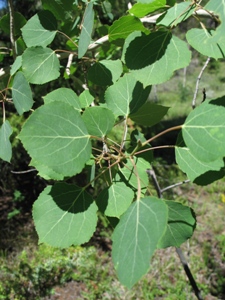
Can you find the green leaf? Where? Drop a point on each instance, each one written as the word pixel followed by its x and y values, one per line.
pixel 134 173
pixel 204 130
pixel 142 9
pixel 98 120
pixel 86 99
pixel 64 215
pixel 62 9
pixel 63 95
pixel 40 30
pixel 46 172
pixel 55 136
pixel 86 31
pixel 177 14
pixel 149 114
pixel 136 236
pixel 152 47
pixel 16 65
pixel 18 20
pixel 5 145
pixel 210 42
pixel 180 227
pixel 21 94
pixel 105 72
pixel 126 95
pixel 195 168
pixel 40 65
pixel 115 200
pixel 177 54
pixel 121 28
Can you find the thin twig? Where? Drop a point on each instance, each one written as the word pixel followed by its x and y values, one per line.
pixel 174 185
pixel 12 29
pixel 197 82
pixel 178 250
pixel 23 172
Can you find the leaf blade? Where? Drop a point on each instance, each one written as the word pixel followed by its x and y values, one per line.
pixel 134 242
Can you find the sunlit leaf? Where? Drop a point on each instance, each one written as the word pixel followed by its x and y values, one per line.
pixel 176 56
pixel 121 28
pixel 16 65
pixel 142 9
pixel 126 95
pixel 134 171
pixel 198 171
pixel 40 65
pixel 98 120
pixel 180 227
pixel 177 14
pixel 86 31
pixel 40 30
pixel 85 98
pixel 210 42
pixel 21 94
pixel 204 130
pixel 64 95
pixel 64 215
pixel 55 136
pixel 115 200
pixel 136 236
pixel 5 145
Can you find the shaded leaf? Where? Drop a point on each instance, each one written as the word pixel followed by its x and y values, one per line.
pixel 63 95
pixel 149 114
pixel 121 28
pixel 105 72
pixel 55 136
pixel 150 47
pixel 180 227
pixel 21 94
pixel 126 95
pixel 40 30
pixel 19 22
pixel 115 200
pixel 64 215
pixel 86 31
pixel 98 120
pixel 5 145
pixel 136 236
pixel 62 9
pixel 40 65
pixel 204 130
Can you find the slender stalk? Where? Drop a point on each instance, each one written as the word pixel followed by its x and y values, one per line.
pixel 178 127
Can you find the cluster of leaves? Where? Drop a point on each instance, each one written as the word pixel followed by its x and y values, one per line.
pixel 70 133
